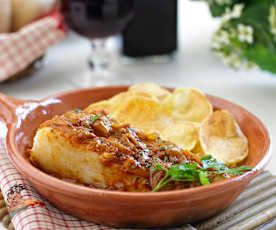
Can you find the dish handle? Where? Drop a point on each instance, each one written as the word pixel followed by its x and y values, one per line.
pixel 8 107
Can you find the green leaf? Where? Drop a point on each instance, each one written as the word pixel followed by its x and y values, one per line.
pixel 159 167
pixel 183 172
pixel 256 14
pixel 260 54
pixel 239 170
pixel 211 163
pixel 191 172
pixel 216 10
pixel 208 157
pixel 179 172
pixel 94 118
pixel 203 178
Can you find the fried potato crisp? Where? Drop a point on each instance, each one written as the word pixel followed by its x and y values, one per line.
pixel 106 105
pixel 150 88
pixel 112 104
pixel 184 134
pixel 142 113
pixel 198 149
pixel 221 137
pixel 189 104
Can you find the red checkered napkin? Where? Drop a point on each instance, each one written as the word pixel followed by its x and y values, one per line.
pixel 18 50
pixel 39 214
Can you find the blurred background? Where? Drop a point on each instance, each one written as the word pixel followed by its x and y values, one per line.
pixel 194 56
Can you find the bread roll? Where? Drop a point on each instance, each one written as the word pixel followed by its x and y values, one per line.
pixel 5 16
pixel 26 11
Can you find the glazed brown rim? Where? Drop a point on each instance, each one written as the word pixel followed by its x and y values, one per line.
pixel 72 189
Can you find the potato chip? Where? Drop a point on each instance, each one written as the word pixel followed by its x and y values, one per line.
pixel 152 89
pixel 221 137
pixel 198 149
pixel 112 103
pixel 124 95
pixel 143 113
pixel 189 104
pixel 184 134
pixel 106 105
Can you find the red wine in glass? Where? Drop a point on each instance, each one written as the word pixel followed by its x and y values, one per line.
pixel 98 20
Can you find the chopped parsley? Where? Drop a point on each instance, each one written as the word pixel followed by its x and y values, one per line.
pixel 175 160
pixel 133 166
pixel 166 158
pixel 148 164
pixel 190 172
pixel 220 168
pixel 94 118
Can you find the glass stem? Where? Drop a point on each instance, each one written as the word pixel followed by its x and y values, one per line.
pixel 100 58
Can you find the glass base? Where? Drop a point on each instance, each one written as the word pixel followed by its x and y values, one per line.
pixel 104 66
pixel 112 76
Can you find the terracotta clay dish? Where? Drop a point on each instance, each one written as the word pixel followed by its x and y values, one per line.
pixel 126 209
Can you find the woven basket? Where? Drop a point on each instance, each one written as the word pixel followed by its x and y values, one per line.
pixel 30 69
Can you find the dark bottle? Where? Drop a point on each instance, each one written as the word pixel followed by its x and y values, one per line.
pixel 97 18
pixel 153 29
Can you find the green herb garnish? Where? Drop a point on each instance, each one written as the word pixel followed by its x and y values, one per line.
pixel 148 164
pixel 78 110
pixel 220 168
pixel 203 178
pixel 166 158
pixel 191 172
pixel 163 147
pixel 175 160
pixel 181 172
pixel 94 118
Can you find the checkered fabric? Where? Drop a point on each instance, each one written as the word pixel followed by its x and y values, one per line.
pixel 45 217
pixel 18 50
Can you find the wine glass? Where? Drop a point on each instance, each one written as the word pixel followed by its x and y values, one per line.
pixel 98 20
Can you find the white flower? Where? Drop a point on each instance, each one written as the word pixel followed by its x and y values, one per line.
pixel 223 2
pixel 272 20
pixel 210 1
pixel 237 10
pixel 220 39
pixel 215 45
pixel 249 65
pixel 231 14
pixel 219 53
pixel 245 33
pixel 232 60
pixel 227 15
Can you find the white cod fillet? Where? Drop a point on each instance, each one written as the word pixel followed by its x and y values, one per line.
pixel 91 148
